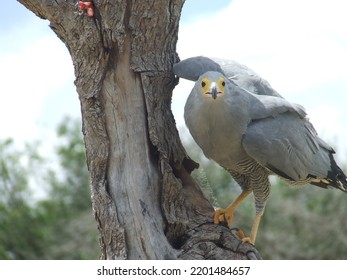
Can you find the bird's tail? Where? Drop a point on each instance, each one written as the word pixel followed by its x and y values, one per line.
pixel 341 180
pixel 335 178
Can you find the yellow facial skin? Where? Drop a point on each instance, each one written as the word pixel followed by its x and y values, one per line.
pixel 212 88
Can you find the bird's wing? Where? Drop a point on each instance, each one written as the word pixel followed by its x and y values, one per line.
pixel 245 77
pixel 262 106
pixel 192 68
pixel 281 139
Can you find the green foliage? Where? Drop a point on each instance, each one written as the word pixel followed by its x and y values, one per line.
pixel 60 226
pixel 71 155
pixel 299 222
pixel 17 217
pixel 304 223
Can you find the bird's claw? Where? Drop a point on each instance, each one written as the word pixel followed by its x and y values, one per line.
pixel 222 215
pixel 240 234
pixel 247 239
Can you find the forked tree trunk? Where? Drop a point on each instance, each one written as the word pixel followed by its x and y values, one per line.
pixel 145 202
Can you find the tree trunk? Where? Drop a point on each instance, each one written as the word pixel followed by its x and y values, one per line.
pixel 145 202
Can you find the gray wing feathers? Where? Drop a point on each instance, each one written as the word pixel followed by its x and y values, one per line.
pixel 245 77
pixel 271 106
pixel 288 146
pixel 192 68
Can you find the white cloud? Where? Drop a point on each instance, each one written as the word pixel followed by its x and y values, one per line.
pixel 292 36
pixel 28 75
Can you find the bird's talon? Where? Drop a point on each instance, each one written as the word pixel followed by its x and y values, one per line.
pixel 218 216
pixel 222 215
pixel 240 234
pixel 247 239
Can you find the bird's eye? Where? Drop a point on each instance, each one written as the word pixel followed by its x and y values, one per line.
pixel 223 84
pixel 203 84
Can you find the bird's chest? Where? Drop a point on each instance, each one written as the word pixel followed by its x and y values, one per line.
pixel 218 133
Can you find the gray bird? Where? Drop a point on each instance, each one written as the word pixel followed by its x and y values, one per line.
pixel 245 126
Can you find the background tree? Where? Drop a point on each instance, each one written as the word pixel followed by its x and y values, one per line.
pixel 17 216
pixel 145 202
pixel 59 225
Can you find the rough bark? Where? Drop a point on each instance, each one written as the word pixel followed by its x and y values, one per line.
pixel 145 202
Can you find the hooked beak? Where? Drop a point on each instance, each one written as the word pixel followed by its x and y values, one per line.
pixel 213 90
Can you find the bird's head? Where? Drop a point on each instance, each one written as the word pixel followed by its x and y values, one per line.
pixel 212 84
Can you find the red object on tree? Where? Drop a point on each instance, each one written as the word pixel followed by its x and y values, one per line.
pixel 86 6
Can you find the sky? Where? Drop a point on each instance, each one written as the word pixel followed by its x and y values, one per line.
pixel 300 47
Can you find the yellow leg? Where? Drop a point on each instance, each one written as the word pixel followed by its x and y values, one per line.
pixel 254 230
pixel 227 214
